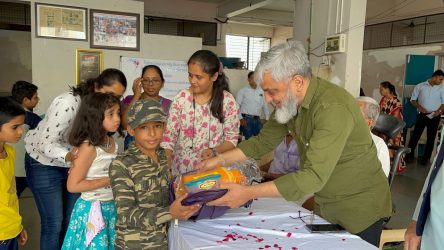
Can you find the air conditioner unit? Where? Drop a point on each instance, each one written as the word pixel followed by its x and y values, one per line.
pixel 335 44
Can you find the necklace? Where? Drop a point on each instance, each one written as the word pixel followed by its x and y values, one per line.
pixel 107 144
pixel 194 125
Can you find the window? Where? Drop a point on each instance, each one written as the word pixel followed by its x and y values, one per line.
pixel 178 27
pixel 418 30
pixel 15 16
pixel 248 49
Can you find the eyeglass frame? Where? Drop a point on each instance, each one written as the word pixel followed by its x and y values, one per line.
pixel 300 217
pixel 153 81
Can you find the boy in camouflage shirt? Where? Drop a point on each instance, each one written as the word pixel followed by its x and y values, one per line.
pixel 139 180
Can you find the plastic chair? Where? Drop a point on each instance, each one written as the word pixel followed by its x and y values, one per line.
pixel 393 235
pixel 390 127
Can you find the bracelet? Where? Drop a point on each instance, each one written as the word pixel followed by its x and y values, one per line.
pixel 222 159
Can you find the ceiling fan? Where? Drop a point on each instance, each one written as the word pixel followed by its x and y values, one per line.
pixel 412 24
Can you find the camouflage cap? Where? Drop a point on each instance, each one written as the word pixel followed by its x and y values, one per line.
pixel 145 110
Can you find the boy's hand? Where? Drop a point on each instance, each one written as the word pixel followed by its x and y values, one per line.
pixel 178 211
pixel 23 238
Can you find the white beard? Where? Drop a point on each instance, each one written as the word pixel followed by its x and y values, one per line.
pixel 288 110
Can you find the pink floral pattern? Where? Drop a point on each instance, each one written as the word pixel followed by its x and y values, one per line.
pixel 189 131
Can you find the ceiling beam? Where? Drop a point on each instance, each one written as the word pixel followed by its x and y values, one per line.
pixel 231 8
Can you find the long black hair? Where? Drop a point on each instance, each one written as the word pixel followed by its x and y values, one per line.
pixel 211 65
pixel 388 85
pixel 107 78
pixel 88 124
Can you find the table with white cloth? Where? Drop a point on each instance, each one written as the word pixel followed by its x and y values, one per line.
pixel 270 223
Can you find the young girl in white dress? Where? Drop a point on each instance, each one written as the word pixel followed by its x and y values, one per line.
pixel 94 214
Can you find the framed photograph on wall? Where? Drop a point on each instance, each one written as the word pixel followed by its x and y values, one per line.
pixel 62 22
pixel 114 30
pixel 89 64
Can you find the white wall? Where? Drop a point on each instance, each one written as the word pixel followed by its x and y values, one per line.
pixel 53 60
pixel 334 17
pixel 281 34
pixel 388 65
pixel 237 79
pixel 15 51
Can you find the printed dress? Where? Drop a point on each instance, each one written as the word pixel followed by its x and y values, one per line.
pixel 192 129
pixel 392 106
pixel 94 215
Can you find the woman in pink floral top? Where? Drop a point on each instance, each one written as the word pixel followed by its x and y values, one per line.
pixel 204 119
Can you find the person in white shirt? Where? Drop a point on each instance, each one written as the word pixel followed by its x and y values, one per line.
pixel 251 102
pixel 370 110
pixel 48 156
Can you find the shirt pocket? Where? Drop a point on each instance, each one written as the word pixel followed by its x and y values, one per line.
pixel 150 191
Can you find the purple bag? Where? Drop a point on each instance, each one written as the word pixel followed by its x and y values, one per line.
pixel 205 212
pixel 248 168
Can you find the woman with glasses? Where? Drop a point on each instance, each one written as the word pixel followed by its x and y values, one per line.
pixel 204 119
pixel 151 82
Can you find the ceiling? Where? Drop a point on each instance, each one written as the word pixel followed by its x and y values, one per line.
pixel 268 12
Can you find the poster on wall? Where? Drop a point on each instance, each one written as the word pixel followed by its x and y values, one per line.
pixel 174 72
pixel 59 21
pixel 114 30
pixel 89 64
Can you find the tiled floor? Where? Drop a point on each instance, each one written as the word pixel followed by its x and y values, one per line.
pixel 405 192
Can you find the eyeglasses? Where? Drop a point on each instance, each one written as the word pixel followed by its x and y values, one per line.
pixel 301 217
pixel 146 81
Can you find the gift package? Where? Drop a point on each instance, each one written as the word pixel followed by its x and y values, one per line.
pixel 204 186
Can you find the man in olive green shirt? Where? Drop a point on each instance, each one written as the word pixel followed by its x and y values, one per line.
pixel 338 161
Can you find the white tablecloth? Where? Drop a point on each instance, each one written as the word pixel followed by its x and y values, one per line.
pixel 270 223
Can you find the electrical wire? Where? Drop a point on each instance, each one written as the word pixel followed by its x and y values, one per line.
pixel 385 12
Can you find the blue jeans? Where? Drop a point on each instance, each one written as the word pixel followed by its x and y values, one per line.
pixel 54 202
pixel 11 244
pixel 252 128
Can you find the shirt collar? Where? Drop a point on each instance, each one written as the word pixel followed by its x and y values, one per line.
pixel 136 151
pixel 312 87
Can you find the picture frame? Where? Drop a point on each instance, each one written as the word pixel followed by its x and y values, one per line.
pixel 114 30
pixel 61 22
pixel 89 64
